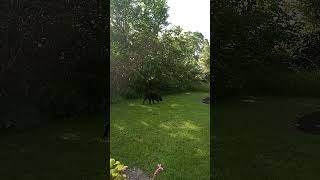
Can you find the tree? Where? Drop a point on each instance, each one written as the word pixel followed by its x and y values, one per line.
pixel 53 51
pixel 146 54
pixel 248 38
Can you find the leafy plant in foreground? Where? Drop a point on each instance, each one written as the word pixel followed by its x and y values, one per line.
pixel 117 170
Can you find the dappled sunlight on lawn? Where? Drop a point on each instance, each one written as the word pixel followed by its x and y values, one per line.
pixel 188 125
pixel 177 127
pixel 121 128
pixel 145 106
pixel 175 105
pixel 165 126
pixel 144 123
pixel 184 129
pixel 201 152
pixel 138 139
pixel 184 125
pixel 184 135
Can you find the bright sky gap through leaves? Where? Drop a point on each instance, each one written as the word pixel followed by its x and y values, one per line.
pixel 191 15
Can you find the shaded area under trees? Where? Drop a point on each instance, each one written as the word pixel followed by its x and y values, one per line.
pixel 53 60
pixel 266 47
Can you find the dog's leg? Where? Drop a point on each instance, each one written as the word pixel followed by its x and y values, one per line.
pixel 149 101
pixel 144 100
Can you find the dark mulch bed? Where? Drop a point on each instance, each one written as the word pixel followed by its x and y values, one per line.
pixel 206 100
pixel 309 123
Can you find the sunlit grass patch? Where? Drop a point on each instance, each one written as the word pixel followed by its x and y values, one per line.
pixel 174 132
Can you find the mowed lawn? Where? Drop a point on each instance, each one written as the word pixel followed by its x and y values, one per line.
pixel 175 133
pixel 61 150
pixel 255 139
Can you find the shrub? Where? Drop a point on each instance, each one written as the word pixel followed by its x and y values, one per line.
pixel 117 170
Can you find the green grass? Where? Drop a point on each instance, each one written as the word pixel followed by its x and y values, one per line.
pixel 43 153
pixel 174 133
pixel 257 140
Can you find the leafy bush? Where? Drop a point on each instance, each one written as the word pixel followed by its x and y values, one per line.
pixel 117 170
pixel 147 54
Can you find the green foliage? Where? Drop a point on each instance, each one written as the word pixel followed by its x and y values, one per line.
pixel 117 169
pixel 255 40
pixel 205 60
pixel 311 9
pixel 146 53
pixel 56 59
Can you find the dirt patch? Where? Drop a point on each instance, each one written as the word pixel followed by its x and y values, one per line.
pixel 206 100
pixel 136 174
pixel 309 123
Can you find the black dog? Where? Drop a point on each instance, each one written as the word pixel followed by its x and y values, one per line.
pixel 152 96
